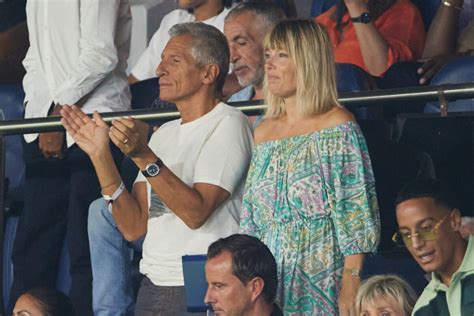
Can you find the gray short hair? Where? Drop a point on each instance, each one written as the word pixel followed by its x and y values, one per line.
pixel 267 13
pixel 387 286
pixel 209 46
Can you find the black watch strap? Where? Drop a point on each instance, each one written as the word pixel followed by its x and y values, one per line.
pixel 365 18
pixel 153 169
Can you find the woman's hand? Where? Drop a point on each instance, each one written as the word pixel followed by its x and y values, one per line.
pixel 347 296
pixel 91 135
pixel 130 135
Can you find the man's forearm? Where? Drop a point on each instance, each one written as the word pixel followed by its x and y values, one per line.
pixel 373 47
pixel 443 31
pixel 194 205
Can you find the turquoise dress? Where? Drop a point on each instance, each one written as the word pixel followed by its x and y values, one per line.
pixel 311 199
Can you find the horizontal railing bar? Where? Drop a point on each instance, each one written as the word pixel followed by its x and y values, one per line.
pixel 365 98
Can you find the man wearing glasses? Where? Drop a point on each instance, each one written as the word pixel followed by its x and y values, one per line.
pixel 429 226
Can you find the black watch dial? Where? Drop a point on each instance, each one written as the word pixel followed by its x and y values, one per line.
pixel 153 170
pixel 365 17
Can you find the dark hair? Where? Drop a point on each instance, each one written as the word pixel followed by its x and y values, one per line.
pixel 52 302
pixel 431 188
pixel 250 258
pixel 227 3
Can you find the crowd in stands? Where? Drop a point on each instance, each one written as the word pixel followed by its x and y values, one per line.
pixel 285 204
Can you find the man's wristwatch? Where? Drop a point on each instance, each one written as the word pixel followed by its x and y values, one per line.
pixel 153 169
pixel 363 18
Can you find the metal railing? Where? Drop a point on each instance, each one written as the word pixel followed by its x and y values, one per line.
pixel 386 97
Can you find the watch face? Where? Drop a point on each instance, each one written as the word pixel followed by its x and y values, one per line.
pixel 365 17
pixel 153 170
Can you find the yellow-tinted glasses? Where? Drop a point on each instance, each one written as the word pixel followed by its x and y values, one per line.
pixel 425 234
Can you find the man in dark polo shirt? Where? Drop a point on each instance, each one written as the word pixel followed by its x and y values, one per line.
pixel 429 225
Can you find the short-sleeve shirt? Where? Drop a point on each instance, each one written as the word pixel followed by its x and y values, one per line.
pixel 215 149
pixel 401 26
pixel 145 68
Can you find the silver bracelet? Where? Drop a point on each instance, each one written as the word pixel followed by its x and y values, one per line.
pixel 115 195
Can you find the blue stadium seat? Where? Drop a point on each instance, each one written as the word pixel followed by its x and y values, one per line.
pixel 319 6
pixel 9 231
pixel 459 70
pixel 144 93
pixel 351 78
pixel 11 108
pixel 400 263
pixel 195 282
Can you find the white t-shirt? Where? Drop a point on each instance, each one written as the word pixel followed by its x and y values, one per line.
pixel 145 68
pixel 214 149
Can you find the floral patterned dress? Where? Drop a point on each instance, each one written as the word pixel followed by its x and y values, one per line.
pixel 311 199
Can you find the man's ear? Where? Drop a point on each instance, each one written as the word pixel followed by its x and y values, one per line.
pixel 256 286
pixel 211 73
pixel 455 219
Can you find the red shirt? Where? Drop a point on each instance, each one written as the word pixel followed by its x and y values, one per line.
pixel 401 26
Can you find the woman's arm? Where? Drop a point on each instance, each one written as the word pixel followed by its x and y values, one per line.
pixel 373 46
pixel 353 265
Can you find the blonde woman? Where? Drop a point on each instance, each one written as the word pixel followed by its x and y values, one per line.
pixel 310 191
pixel 386 295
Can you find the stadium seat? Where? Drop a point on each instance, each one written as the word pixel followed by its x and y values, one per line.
pixel 319 6
pixel 195 282
pixel 144 93
pixel 351 78
pixel 400 263
pixel 11 108
pixel 459 70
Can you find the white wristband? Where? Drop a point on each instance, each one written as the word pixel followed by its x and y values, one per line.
pixel 116 194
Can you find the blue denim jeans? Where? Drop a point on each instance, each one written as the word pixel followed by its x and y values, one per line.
pixel 57 196
pixel 111 257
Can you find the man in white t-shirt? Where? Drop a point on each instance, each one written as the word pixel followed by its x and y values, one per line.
pixel 212 12
pixel 189 191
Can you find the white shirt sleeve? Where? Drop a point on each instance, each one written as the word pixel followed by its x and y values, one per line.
pixel 98 53
pixel 145 68
pixel 28 79
pixel 225 157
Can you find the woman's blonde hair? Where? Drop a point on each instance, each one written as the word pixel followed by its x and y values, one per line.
pixel 386 286
pixel 309 47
